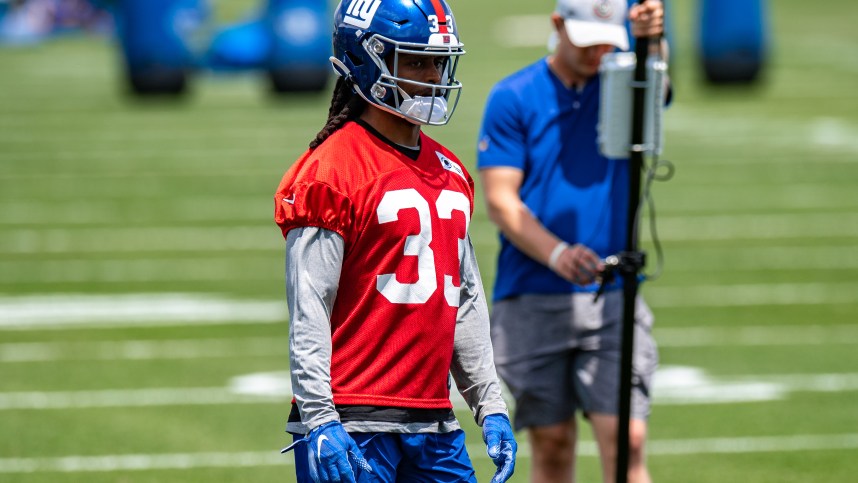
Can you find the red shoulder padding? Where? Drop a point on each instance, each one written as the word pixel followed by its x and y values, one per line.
pixel 312 204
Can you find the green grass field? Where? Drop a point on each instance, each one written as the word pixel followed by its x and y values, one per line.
pixel 141 273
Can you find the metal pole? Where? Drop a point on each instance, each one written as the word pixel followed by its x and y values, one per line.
pixel 631 262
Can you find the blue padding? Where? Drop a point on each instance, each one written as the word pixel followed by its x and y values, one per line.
pixel 733 38
pixel 300 32
pixel 159 33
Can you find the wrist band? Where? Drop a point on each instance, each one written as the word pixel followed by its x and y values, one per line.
pixel 555 254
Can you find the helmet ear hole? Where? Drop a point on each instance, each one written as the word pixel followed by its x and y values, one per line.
pixel 356 61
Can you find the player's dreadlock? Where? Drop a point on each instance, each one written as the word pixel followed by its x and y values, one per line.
pixel 345 105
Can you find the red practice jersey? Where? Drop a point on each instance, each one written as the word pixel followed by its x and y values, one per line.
pixel 404 223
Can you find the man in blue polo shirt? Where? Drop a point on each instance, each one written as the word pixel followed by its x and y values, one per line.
pixel 561 208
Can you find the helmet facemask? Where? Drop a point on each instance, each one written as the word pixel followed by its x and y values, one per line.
pixel 390 90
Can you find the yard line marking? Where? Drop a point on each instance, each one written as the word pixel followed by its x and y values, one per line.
pixel 681 385
pixel 673 385
pixel 144 349
pixel 667 447
pixel 188 134
pixel 215 267
pixel 758 227
pixel 760 444
pixel 59 186
pixel 762 335
pixel 127 398
pixel 142 462
pixel 824 257
pixel 61 312
pixel 699 199
pixel 35 212
pixel 752 295
pixel 44 312
pixel 834 132
pixel 108 157
pixel 116 239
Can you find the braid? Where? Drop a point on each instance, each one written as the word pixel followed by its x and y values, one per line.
pixel 345 105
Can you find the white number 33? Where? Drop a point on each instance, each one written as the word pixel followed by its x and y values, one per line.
pixel 418 245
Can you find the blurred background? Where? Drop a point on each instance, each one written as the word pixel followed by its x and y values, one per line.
pixel 143 326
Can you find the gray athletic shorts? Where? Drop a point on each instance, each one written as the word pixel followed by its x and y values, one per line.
pixel 559 354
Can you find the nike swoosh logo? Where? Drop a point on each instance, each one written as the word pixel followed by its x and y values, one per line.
pixel 321 440
pixel 291 200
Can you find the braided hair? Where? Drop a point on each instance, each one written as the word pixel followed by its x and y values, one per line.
pixel 345 105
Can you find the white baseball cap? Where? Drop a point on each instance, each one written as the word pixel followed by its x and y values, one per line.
pixel 595 22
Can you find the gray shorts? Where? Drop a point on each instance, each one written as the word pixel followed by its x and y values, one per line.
pixel 559 354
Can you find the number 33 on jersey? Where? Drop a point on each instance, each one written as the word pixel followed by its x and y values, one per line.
pixel 404 223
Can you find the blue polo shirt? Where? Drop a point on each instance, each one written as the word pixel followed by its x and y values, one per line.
pixel 532 122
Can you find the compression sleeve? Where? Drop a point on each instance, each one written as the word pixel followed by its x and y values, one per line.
pixel 314 259
pixel 473 367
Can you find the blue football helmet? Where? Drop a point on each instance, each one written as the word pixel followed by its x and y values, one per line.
pixel 366 32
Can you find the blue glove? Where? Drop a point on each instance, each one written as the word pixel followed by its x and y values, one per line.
pixel 500 444
pixel 331 454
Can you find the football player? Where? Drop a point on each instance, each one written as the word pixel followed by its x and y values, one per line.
pixel 383 288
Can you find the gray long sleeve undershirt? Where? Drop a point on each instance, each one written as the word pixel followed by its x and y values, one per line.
pixel 313 265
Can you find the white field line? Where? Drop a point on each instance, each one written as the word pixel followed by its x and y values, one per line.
pixel 58 181
pixel 752 444
pixel 188 134
pixel 34 240
pixel 809 382
pixel 827 257
pixel 94 212
pixel 758 227
pixel 172 309
pixel 61 312
pixel 775 335
pixel 704 197
pixel 832 132
pixel 168 270
pixel 131 240
pixel 670 447
pixel 753 295
pixel 143 462
pixel 127 398
pixel 136 350
pixel 232 113
pixel 156 155
pixel 39 120
pixel 179 349
pixel 673 385
pixel 679 385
